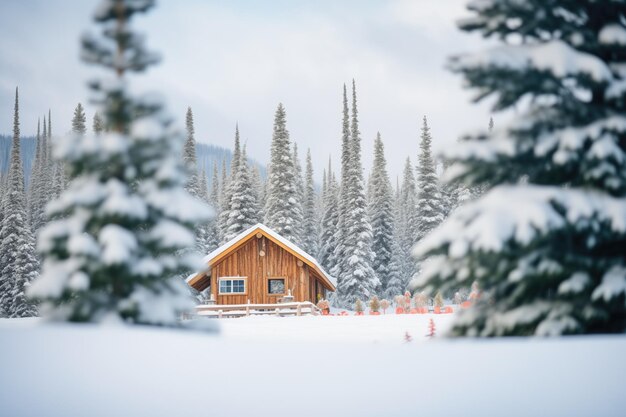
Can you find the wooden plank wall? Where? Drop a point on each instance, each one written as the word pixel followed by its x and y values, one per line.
pixel 277 262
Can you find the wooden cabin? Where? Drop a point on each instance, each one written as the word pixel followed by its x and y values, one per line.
pixel 260 266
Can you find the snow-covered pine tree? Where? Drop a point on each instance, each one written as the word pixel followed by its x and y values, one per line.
pixel 310 225
pixel 79 120
pixel 429 204
pixel 189 157
pixel 214 194
pixel 41 188
pixel 406 220
pixel 227 182
pixel 257 186
pixel 244 207
pixel 549 252
pixel 283 212
pixel 98 124
pixel 381 214
pixel 330 219
pixel 205 232
pixel 344 203
pixel 35 183
pixel 358 280
pixel 297 169
pixel 110 252
pixel 18 263
pixel 212 233
pixel 395 284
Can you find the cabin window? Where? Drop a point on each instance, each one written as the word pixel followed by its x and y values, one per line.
pixel 276 285
pixel 233 285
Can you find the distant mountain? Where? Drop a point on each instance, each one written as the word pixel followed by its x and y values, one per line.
pixel 27 152
pixel 207 155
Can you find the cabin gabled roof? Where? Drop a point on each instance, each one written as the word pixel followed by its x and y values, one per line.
pixel 287 245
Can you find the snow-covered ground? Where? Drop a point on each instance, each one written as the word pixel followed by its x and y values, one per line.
pixel 303 366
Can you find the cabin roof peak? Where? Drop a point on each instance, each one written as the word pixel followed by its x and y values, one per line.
pixel 286 244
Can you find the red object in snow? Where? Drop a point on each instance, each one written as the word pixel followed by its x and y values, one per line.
pixel 437 310
pixel 374 313
pixel 358 313
pixel 399 310
pixel 447 310
pixel 431 328
pixel 466 304
pixel 343 313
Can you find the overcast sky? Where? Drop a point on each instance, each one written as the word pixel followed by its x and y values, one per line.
pixel 234 61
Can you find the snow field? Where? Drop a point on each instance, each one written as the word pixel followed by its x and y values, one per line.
pixel 386 328
pixel 272 366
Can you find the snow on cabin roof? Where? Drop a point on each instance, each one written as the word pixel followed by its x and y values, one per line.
pixel 259 226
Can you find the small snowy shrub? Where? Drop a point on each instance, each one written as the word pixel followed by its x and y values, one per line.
pixel 384 304
pixel 438 300
pixel 358 306
pixel 374 304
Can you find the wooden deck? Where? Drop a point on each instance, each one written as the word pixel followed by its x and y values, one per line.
pixel 242 310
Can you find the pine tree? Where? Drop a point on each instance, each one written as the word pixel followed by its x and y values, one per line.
pixel 206 233
pixel 212 236
pixel 344 204
pixel 98 124
pixel 358 280
pixel 18 263
pixel 406 220
pixel 257 186
pixel 545 243
pixel 225 208
pixel 283 212
pixel 299 180
pixel 79 120
pixel 35 183
pixel 330 219
pixel 189 157
pixel 244 208
pixel 310 228
pixel 429 202
pixel 110 250
pixel 381 214
pixel 395 284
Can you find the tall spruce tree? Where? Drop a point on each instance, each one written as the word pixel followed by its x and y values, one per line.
pixel 110 251
pixel 189 157
pixel 429 203
pixel 546 243
pixel 35 183
pixel 227 182
pixel 406 220
pixel 283 212
pixel 244 207
pixel 381 214
pixel 213 237
pixel 358 280
pixel 329 222
pixel 18 263
pixel 297 169
pixel 341 237
pixel 310 225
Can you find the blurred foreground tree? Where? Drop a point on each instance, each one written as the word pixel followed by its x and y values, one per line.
pixel 110 249
pixel 546 242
